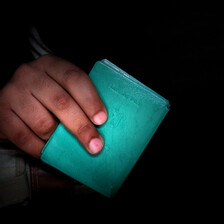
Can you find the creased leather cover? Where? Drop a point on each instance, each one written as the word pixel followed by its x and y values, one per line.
pixel 134 113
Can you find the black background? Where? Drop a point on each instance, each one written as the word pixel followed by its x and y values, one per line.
pixel 174 48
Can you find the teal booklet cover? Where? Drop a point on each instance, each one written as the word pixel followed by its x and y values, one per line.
pixel 134 113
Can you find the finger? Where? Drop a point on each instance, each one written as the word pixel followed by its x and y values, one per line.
pixel 18 133
pixel 33 114
pixel 61 104
pixel 79 86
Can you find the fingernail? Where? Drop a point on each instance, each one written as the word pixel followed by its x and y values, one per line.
pixel 100 118
pixel 95 145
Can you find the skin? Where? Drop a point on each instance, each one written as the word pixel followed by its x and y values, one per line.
pixel 43 92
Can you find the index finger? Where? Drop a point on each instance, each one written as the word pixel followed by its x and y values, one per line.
pixel 79 86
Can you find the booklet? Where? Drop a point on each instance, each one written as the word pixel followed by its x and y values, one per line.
pixel 134 113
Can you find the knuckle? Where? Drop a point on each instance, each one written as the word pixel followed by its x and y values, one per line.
pixel 83 128
pixel 25 76
pixel 46 60
pixel 73 75
pixel 21 137
pixel 22 71
pixel 41 62
pixel 5 96
pixel 62 102
pixel 86 132
pixel 44 127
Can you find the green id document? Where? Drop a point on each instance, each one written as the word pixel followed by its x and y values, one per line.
pixel 134 113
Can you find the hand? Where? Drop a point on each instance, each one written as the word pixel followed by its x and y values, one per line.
pixel 44 91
